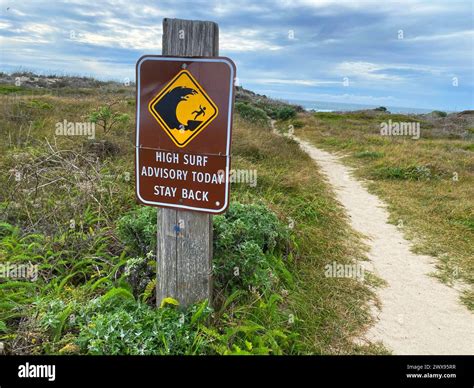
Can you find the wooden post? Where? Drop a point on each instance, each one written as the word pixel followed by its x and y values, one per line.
pixel 184 241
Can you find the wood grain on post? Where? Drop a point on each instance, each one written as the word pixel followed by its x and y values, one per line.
pixel 190 38
pixel 184 240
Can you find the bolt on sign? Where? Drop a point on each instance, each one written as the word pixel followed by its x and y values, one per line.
pixel 183 132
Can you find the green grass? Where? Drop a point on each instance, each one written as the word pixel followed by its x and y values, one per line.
pixel 251 113
pixel 369 154
pixel 330 311
pixel 427 183
pixel 8 89
pixel 64 203
pixel 328 116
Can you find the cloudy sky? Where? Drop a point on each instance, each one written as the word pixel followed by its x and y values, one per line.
pixel 405 53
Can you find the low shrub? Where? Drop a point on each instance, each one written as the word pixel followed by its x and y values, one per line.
pixel 369 154
pixel 439 113
pixel 406 173
pixel 247 238
pixel 137 230
pixel 285 113
pixel 119 325
pixel 297 124
pixel 140 274
pixel 106 118
pixel 251 113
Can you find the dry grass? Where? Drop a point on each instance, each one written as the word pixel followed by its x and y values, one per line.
pixel 427 183
pixel 328 312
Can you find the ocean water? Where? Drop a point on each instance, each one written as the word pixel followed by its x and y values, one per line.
pixel 323 106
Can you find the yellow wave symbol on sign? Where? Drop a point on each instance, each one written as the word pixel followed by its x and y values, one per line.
pixel 183 108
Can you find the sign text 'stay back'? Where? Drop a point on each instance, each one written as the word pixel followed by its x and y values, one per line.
pixel 183 133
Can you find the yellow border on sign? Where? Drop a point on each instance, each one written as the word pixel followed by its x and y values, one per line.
pixel 161 121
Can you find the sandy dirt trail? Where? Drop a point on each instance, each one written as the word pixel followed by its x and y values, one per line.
pixel 419 314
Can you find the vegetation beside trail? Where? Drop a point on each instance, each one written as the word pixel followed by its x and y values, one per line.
pixel 67 205
pixel 427 183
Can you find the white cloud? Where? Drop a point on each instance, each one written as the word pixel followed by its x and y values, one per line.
pixel 222 8
pixel 378 71
pixel 31 33
pixel 364 70
pixel 454 36
pixel 343 98
pixel 411 7
pixel 38 29
pixel 246 40
pixel 302 82
pixel 314 3
pixel 14 11
pixel 116 34
pixel 360 70
pixel 115 71
pixel 5 25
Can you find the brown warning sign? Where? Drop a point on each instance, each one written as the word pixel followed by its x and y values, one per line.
pixel 183 132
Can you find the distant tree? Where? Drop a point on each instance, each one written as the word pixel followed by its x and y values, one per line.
pixel 286 113
pixel 251 113
pixel 106 118
pixel 381 109
pixel 439 113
